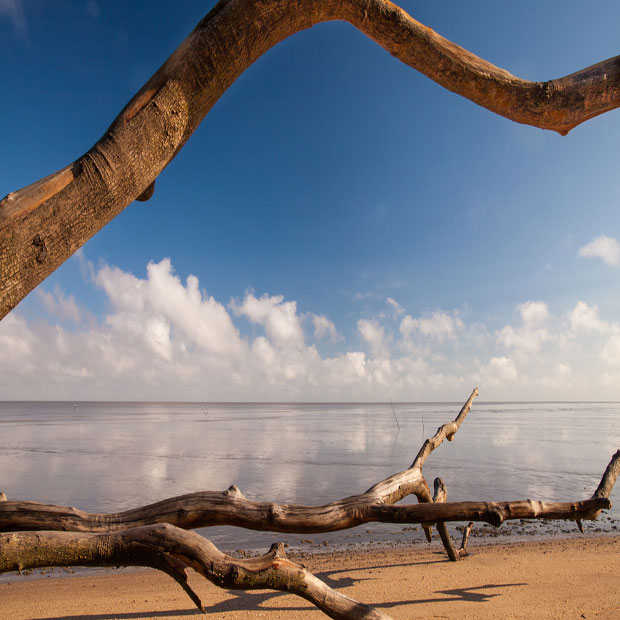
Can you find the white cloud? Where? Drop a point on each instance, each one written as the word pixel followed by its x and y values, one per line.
pixel 200 322
pixel 59 305
pixel 534 313
pixel 610 353
pixel 374 335
pixel 398 309
pixel 603 247
pixel 439 325
pixel 167 339
pixel 527 339
pixel 279 318
pixel 499 372
pixel 323 327
pixel 585 317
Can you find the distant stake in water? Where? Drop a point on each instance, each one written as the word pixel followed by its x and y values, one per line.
pixel 394 412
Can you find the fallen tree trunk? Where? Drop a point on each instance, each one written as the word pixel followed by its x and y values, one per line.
pixel 231 507
pixel 207 509
pixel 43 224
pixel 45 535
pixel 173 550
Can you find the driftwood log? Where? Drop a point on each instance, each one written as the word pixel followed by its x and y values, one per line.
pixel 173 550
pixel 43 224
pixel 40 535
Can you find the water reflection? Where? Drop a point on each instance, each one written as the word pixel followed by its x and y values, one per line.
pixel 113 456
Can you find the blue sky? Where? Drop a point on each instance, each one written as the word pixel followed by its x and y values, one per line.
pixel 352 230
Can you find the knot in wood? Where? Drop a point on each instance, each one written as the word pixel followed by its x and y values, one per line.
pixel 275 512
pixel 39 243
pixel 234 492
pixel 278 550
pixel 496 516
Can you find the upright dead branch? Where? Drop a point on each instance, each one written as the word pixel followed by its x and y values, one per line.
pixel 45 223
pixel 441 496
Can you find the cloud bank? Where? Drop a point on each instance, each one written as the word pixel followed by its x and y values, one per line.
pixel 165 339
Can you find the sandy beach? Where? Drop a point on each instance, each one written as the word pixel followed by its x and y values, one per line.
pixel 563 578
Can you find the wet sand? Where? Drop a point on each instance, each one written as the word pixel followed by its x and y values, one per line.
pixel 562 578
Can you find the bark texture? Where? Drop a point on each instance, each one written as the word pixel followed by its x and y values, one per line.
pixel 173 551
pixel 43 224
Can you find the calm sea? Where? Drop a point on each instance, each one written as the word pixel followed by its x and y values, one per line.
pixel 110 456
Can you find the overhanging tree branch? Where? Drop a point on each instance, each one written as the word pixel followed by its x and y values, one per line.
pixel 42 225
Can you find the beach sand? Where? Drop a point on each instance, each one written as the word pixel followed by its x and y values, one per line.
pixel 562 578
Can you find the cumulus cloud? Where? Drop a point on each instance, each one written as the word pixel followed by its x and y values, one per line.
pixel 324 328
pixel 279 318
pixel 528 338
pixel 603 247
pixel 166 338
pixel 60 305
pixel 438 325
pixel 374 334
pixel 585 317
pixel 500 371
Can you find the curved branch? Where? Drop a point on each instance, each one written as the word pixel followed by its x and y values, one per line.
pixel 231 507
pixel 173 551
pixel 42 225
pixel 207 509
pixel 609 477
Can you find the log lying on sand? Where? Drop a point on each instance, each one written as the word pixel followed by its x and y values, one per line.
pixel 173 550
pixel 155 535
pixel 231 507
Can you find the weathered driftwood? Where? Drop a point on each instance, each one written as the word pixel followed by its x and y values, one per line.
pixel 45 223
pixel 209 508
pixel 44 535
pixel 231 507
pixel 173 550
pixel 440 496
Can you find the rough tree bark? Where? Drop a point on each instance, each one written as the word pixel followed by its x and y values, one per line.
pixel 43 224
pixel 47 535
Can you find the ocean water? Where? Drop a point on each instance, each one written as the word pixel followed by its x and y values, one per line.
pixel 111 456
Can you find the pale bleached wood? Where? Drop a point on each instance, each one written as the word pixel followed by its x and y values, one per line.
pixel 42 225
pixel 231 507
pixel 207 509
